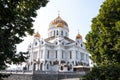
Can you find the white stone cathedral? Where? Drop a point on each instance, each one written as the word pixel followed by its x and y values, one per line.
pixel 57 52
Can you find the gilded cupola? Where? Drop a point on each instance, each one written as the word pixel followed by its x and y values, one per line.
pixel 58 22
pixel 37 35
pixel 78 36
pixel 58 28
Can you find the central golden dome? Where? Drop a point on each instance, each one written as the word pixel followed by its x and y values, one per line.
pixel 58 22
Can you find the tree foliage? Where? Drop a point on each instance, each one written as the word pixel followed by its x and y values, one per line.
pixel 104 72
pixel 16 19
pixel 103 41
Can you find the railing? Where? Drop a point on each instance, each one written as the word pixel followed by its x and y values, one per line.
pixel 16 72
pixel 39 72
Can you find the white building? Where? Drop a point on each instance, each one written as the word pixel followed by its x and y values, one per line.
pixel 57 52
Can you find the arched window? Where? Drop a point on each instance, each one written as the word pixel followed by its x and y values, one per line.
pixel 34 66
pixel 48 54
pixel 56 43
pixel 56 53
pixel 57 32
pixel 76 43
pixel 41 65
pixel 66 33
pixel 51 33
pixel 76 54
pixel 54 33
pixel 62 43
pixel 47 66
pixel 62 55
pixel 81 45
pixel 61 67
pixel 70 66
pixel 62 33
pixel 30 46
pixel 70 54
pixel 35 43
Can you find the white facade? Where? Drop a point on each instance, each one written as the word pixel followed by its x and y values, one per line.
pixel 58 52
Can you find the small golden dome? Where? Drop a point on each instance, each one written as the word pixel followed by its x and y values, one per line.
pixel 78 36
pixel 58 22
pixel 37 35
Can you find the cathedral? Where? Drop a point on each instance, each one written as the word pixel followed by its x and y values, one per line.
pixel 57 52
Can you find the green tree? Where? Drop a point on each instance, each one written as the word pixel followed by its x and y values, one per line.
pixel 103 41
pixel 16 20
pixel 104 72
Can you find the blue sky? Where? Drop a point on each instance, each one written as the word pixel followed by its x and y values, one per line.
pixel 77 13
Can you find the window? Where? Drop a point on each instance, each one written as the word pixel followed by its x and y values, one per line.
pixel 59 40
pixel 56 53
pixel 70 54
pixel 76 43
pixel 61 67
pixel 62 43
pixel 82 56
pixel 81 45
pixel 35 43
pixel 87 57
pixel 62 55
pixel 30 46
pixel 47 66
pixel 48 54
pixel 61 32
pixel 54 33
pixel 56 43
pixel 42 42
pixel 57 32
pixel 76 54
pixel 66 33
